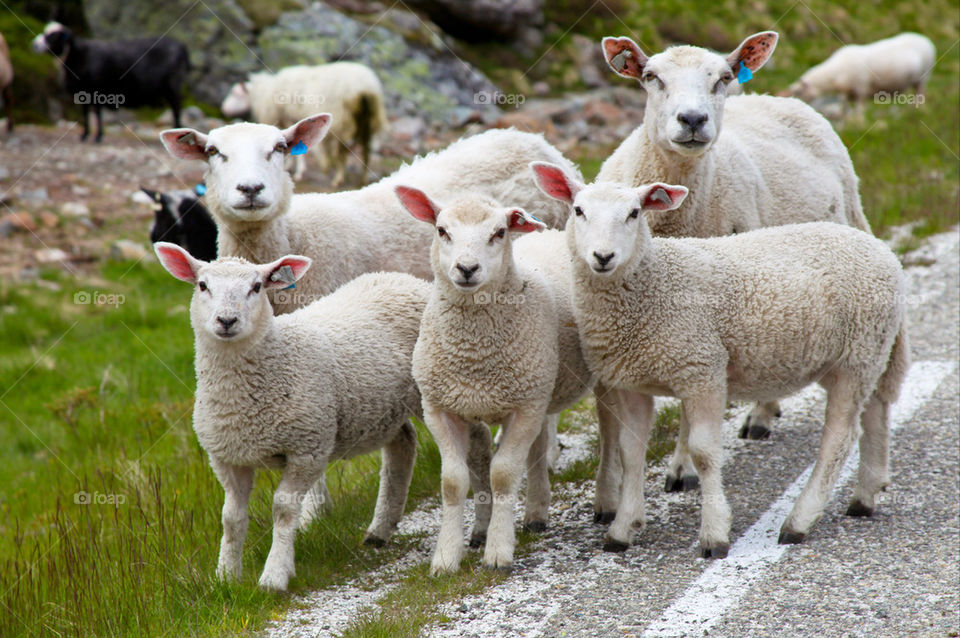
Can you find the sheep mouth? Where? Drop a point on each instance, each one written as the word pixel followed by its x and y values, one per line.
pixel 466 285
pixel 225 335
pixel 692 143
pixel 602 270
pixel 254 205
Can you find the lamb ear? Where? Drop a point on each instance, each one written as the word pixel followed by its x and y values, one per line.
pixel 178 262
pixel 662 197
pixel 754 51
pixel 309 130
pixel 283 272
pixel 185 143
pixel 520 221
pixel 153 195
pixel 624 57
pixel 418 204
pixel 555 182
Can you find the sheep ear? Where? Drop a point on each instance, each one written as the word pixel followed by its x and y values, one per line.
pixel 662 197
pixel 624 56
pixel 520 221
pixel 309 130
pixel 418 204
pixel 177 261
pixel 185 143
pixel 283 272
pixel 754 51
pixel 154 195
pixel 555 182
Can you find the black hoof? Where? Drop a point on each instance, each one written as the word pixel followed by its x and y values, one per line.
pixel 478 540
pixel 373 541
pixel 537 527
pixel 720 551
pixel 604 517
pixel 788 537
pixel 507 569
pixel 758 433
pixel 682 484
pixel 857 508
pixel 610 545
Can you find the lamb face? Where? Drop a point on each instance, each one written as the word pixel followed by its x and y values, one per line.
pixel 237 102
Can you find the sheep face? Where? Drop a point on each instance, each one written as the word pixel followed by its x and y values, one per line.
pixel 229 299
pixel 246 180
pixel 686 87
pixel 55 39
pixel 471 247
pixel 237 102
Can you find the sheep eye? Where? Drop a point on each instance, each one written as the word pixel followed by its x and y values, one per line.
pixel 256 287
pixel 499 234
pixel 578 211
pixel 442 232
pixel 202 285
pixel 280 148
pixel 634 213
pixel 212 151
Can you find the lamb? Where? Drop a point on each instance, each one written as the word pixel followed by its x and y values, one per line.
pixel 858 71
pixel 754 316
pixel 181 218
pixel 351 92
pixel 127 73
pixel 756 174
pixel 497 344
pixel 329 381
pixel 6 82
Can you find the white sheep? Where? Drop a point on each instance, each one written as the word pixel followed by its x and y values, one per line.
pixel 297 391
pixel 858 71
pixel 758 173
pixel 351 92
pixel 497 344
pixel 755 316
pixel 6 82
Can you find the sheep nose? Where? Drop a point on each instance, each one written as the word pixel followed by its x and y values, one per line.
pixel 226 322
pixel 603 260
pixel 467 272
pixel 250 190
pixel 693 119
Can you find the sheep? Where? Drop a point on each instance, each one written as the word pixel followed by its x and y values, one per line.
pixel 753 316
pixel 329 381
pixel 181 218
pixel 858 71
pixel 497 344
pixel 127 73
pixel 756 174
pixel 351 92
pixel 6 82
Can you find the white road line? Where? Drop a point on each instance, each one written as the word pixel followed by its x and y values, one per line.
pixel 722 584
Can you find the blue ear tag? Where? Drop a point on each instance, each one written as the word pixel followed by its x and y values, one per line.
pixel 299 148
pixel 200 190
pixel 744 74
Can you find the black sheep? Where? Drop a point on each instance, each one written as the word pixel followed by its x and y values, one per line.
pixel 180 218
pixel 127 73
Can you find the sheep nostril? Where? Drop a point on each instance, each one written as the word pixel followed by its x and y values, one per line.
pixel 250 190
pixel 603 260
pixel 226 322
pixel 467 272
pixel 693 119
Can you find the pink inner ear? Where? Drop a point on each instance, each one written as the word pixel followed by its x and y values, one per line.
pixel 309 130
pixel 629 65
pixel 417 203
pixel 520 224
pixel 184 143
pixel 177 263
pixel 299 265
pixel 655 200
pixel 553 182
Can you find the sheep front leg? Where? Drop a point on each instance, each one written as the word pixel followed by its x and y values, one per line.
pixel 520 431
pixel 478 460
pixel 609 469
pixel 396 470
pixel 681 473
pixel 298 477
pixel 452 435
pixel 237 484
pixel 635 411
pixel 538 481
pixel 705 416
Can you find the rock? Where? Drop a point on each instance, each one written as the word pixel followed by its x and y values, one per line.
pixel 4 172
pixel 35 195
pixel 48 219
pixel 483 20
pixel 523 121
pixel 408 130
pixel 19 221
pixel 589 60
pixel 602 113
pixel 50 256
pixel 541 88
pixel 74 209
pixel 127 250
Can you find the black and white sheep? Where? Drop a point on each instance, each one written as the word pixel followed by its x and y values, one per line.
pixel 181 218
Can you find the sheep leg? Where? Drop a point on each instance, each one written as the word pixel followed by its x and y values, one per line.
pixel 97 111
pixel 553 443
pixel 452 435
pixel 757 426
pixel 86 123
pixel 844 402
pixel 538 480
pixel 873 473
pixel 520 431
pixel 237 484
pixel 478 461
pixel 339 163
pixel 681 473
pixel 315 503
pixel 609 470
pixel 396 470
pixel 705 416
pixel 635 411
pixel 299 476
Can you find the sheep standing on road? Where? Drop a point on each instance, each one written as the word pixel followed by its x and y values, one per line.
pixel 350 92
pixel 329 381
pixel 6 82
pixel 497 344
pixel 125 73
pixel 756 316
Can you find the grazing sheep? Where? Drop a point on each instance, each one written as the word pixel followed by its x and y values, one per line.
pixel 180 218
pixel 755 316
pixel 756 174
pixel 6 82
pixel 858 71
pixel 125 73
pixel 329 381
pixel 351 92
pixel 497 344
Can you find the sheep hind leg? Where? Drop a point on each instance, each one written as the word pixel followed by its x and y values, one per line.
pixel 873 474
pixel 99 115
pixel 757 427
pixel 553 443
pixel 636 419
pixel 538 481
pixel 315 503
pixel 609 470
pixel 478 462
pixel 681 472
pixel 396 471
pixel 237 484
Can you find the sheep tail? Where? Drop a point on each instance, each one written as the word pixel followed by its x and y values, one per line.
pixel 888 388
